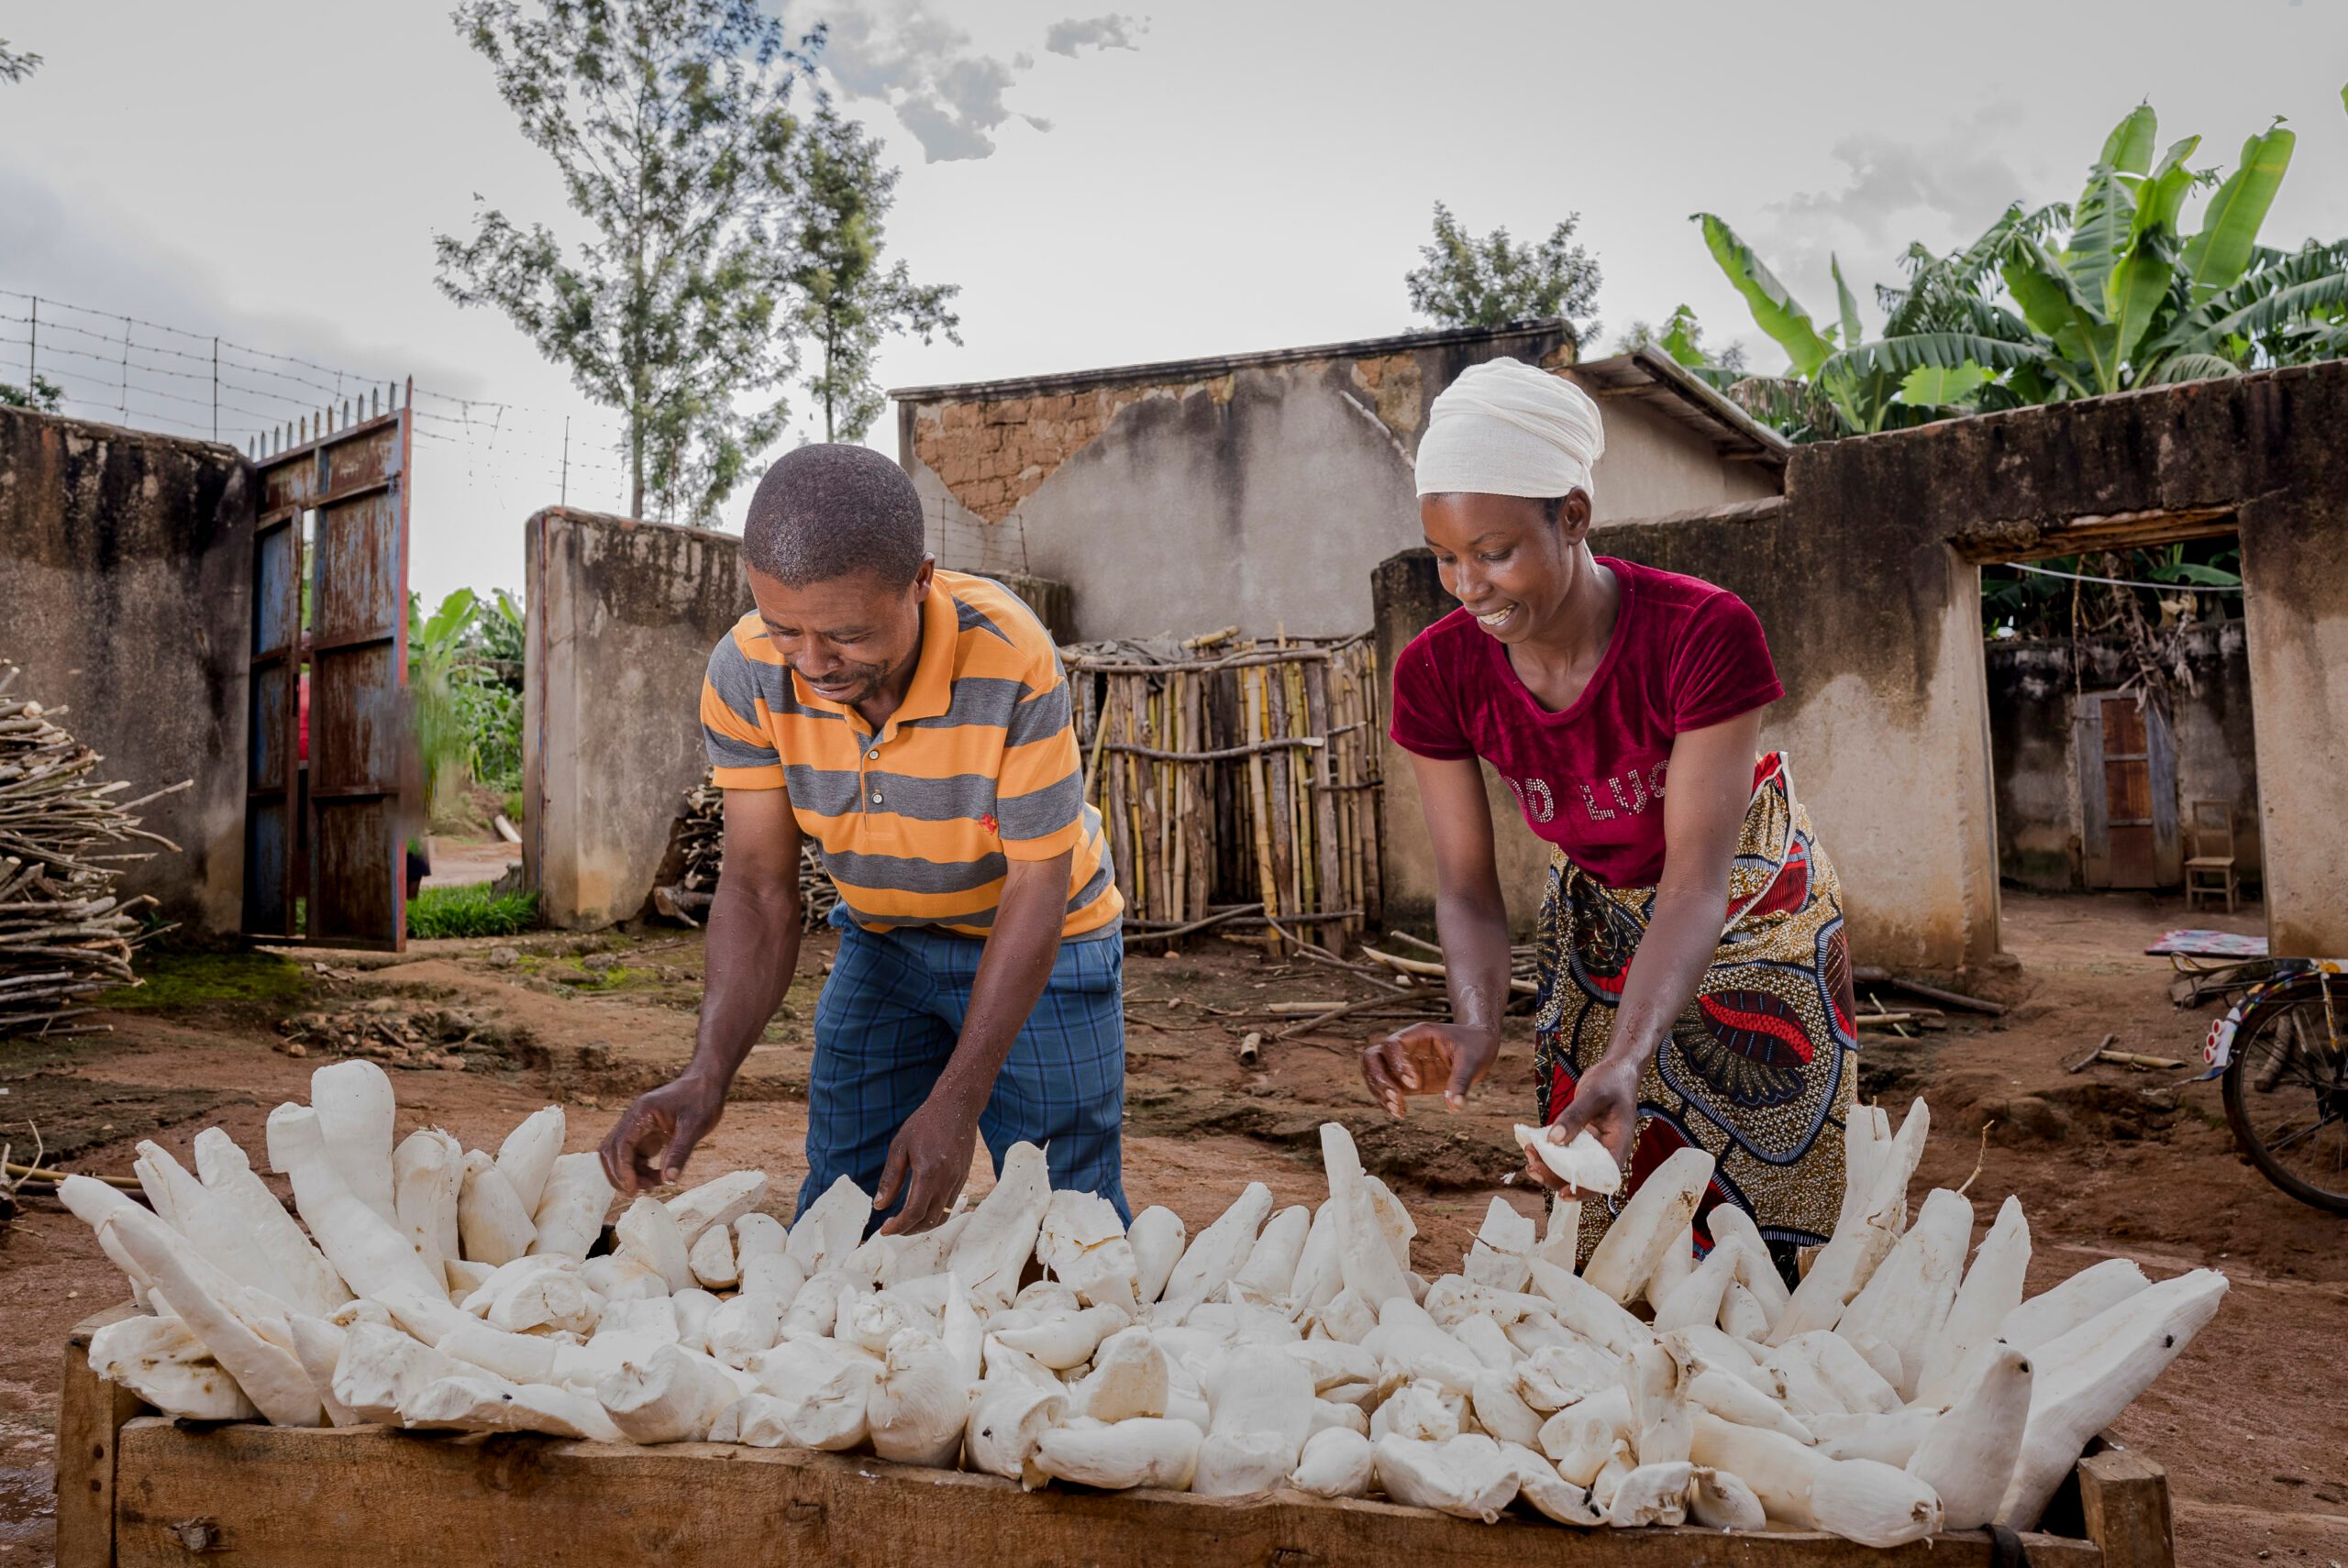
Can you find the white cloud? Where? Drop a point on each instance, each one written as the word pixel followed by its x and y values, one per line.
pixel 1944 190
pixel 1073 35
pixel 947 92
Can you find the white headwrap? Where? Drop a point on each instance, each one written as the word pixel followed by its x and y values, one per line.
pixel 1506 428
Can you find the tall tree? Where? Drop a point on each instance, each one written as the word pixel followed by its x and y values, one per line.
pixel 1466 281
pixel 846 303
pixel 671 122
pixel 1681 335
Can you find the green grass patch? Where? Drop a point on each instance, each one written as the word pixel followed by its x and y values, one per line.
pixel 476 910
pixel 192 978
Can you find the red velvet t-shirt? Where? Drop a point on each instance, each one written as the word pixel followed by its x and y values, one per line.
pixel 1684 654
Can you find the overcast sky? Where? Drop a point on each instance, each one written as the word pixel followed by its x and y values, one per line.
pixel 1214 176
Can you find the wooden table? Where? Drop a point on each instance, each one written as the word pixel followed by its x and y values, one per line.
pixel 136 1490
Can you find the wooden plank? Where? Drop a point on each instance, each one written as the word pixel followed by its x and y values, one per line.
pixel 90 1412
pixel 373 1497
pixel 2124 1499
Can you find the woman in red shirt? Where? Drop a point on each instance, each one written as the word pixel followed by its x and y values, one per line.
pixel 1695 986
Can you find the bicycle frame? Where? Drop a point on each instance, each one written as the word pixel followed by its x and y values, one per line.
pixel 2217 1048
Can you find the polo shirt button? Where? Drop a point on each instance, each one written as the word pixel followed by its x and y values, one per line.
pixel 876 798
pixel 874 755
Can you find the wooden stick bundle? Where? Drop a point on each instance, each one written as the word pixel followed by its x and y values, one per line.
pixel 688 877
pixel 64 935
pixel 1232 772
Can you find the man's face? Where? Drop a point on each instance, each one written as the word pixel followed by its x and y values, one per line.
pixel 846 637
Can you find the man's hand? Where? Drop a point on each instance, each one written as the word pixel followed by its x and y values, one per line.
pixel 656 1135
pixel 1606 1104
pixel 1428 1058
pixel 929 1159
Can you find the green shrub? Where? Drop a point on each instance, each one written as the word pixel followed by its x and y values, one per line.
pixel 476 910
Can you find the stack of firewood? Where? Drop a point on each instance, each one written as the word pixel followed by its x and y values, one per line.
pixel 64 936
pixel 696 856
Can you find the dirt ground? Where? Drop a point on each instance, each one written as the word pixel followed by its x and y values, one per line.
pixel 2252 1422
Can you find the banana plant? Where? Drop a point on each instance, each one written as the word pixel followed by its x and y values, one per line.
pixel 1925 360
pixel 435 645
pixel 2063 301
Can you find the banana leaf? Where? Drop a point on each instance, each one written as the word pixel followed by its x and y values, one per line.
pixel 2218 255
pixel 1852 333
pixel 1929 386
pixel 1774 309
pixel 2140 286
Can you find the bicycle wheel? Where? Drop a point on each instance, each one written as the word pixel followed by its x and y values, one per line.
pixel 2287 1099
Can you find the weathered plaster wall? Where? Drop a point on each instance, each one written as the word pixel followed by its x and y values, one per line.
pixel 1883 695
pixel 622 617
pixel 2296 611
pixel 2260 452
pixel 125 560
pixel 2033 693
pixel 1254 491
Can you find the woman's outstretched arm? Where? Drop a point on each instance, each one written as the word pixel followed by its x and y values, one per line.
pixel 1472 921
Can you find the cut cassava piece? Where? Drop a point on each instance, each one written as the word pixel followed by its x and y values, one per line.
pixel 1583 1164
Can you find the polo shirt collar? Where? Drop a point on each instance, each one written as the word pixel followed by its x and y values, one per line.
pixel 932 692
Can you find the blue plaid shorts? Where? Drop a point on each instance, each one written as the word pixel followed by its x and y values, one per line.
pixel 887 1024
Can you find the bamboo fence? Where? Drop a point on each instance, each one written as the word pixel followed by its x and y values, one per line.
pixel 64 936
pixel 1237 781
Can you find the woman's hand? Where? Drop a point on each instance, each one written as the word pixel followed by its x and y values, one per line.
pixel 1428 1058
pixel 1606 1105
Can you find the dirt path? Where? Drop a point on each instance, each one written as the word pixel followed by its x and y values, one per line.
pixel 2250 1422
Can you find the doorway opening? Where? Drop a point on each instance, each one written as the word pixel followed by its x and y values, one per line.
pixel 2121 739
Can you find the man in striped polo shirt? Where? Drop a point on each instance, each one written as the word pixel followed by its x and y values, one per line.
pixel 915 723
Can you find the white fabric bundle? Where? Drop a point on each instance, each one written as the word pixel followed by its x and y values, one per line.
pixel 1506 428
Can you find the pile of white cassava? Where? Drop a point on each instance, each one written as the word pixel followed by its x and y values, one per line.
pixel 1895 1393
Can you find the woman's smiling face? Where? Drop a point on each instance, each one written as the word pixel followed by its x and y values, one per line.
pixel 1509 560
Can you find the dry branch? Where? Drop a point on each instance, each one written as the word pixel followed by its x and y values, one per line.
pixel 64 936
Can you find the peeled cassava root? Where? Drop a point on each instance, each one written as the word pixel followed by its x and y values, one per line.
pixel 1898 1391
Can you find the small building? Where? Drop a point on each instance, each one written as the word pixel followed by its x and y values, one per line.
pixel 1258 490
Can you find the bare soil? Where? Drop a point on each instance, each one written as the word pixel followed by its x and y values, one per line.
pixel 2252 1422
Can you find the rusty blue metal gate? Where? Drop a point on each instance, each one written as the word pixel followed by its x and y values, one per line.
pixel 326 863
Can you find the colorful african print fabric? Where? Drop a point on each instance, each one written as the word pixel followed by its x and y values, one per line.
pixel 1761 1067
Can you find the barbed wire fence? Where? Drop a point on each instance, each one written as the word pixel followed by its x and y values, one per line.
pixel 145 374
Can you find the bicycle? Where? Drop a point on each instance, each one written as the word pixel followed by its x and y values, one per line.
pixel 2284 1061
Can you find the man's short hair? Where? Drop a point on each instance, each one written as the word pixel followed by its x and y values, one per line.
pixel 831 510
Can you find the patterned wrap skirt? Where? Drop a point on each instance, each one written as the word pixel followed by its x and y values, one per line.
pixel 1761 1066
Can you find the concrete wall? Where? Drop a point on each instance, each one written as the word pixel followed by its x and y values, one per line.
pixel 1176 500
pixel 124 568
pixel 622 617
pixel 1866 582
pixel 2032 696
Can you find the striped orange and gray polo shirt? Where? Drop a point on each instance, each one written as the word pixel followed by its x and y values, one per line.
pixel 979 766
